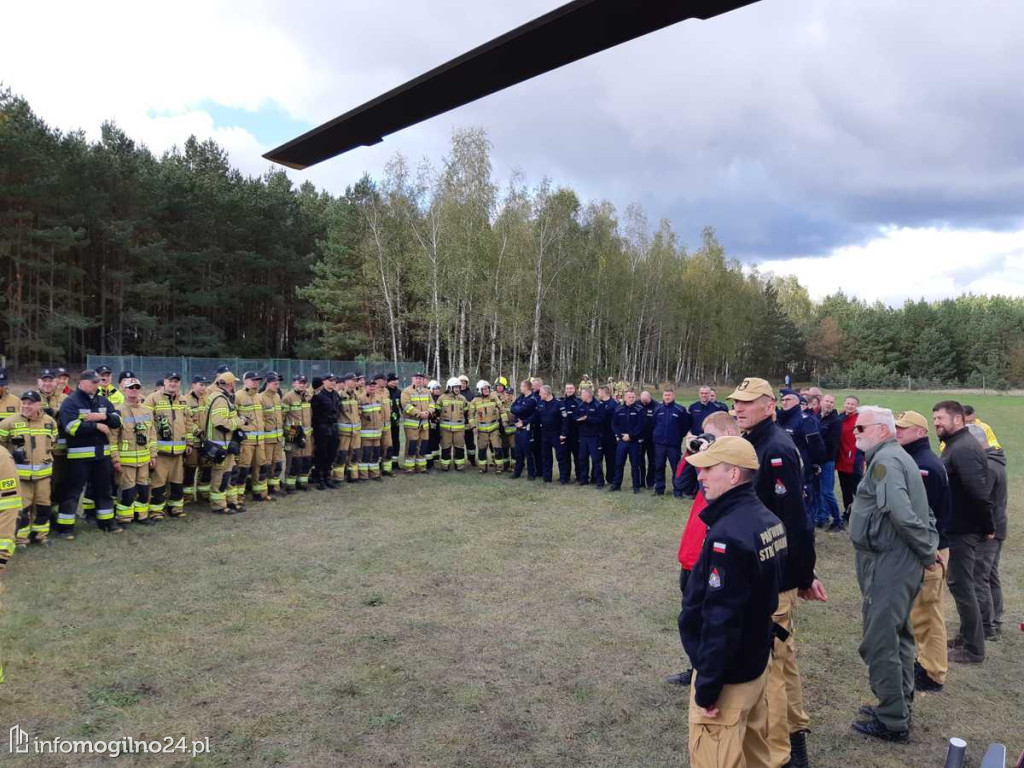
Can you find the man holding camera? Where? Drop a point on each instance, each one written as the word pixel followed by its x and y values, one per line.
pixel 30 438
pixel 197 473
pixel 298 435
pixel 172 427
pixel 220 424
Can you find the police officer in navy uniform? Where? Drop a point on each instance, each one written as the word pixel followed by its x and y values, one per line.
pixel 727 618
pixel 804 429
pixel 671 423
pixel 628 424
pixel 522 410
pixel 570 403
pixel 553 432
pixel 536 438
pixel 608 441
pixel 590 425
pixel 703 408
pixel 647 452
pixel 779 486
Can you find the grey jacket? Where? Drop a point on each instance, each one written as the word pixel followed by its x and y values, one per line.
pixel 997 473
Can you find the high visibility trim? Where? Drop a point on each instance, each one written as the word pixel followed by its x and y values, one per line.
pixel 10 502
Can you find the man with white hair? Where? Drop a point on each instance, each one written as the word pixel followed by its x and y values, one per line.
pixel 893 532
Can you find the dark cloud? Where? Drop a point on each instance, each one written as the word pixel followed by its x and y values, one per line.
pixel 792 127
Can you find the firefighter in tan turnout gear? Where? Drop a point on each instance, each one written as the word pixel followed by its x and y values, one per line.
pixel 134 453
pixel 273 431
pixel 487 416
pixel 346 462
pixel 387 462
pixel 298 435
pixel 508 440
pixel 252 463
pixel 417 406
pixel 171 422
pixel 30 437
pixel 453 411
pixel 221 443
pixel 371 415
pixel 197 472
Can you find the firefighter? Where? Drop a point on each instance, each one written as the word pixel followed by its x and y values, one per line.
pixel 197 472
pixel 434 441
pixel 252 463
pixel 416 409
pixel 371 427
pixel 387 462
pixel 346 463
pixel 508 441
pixel 298 435
pixel 487 417
pixel 469 394
pixel 222 437
pixel 134 453
pixel 107 388
pixel 273 431
pixel 53 395
pixel 451 417
pixel 88 419
pixel 10 509
pixel 30 437
pixel 173 427
pixel 9 404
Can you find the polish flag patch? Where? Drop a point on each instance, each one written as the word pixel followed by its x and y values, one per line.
pixel 718 547
pixel 924 473
pixel 776 462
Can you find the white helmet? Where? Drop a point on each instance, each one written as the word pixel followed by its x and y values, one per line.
pixel 483 384
pixel 453 382
pixel 434 384
pixel 464 378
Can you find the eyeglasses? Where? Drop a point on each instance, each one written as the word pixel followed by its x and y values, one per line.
pixel 861 427
pixel 135 386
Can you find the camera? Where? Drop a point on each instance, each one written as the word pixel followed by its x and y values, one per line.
pixel 163 428
pixel 141 438
pixel 699 442
pixel 18 450
pixel 210 450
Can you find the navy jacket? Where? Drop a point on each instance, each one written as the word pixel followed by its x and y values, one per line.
pixel 779 486
pixel 671 423
pixel 649 410
pixel 523 408
pixel 590 419
pixel 936 485
pixel 802 427
pixel 610 406
pixel 550 417
pixel 85 441
pixel 569 405
pixel 631 420
pixel 536 411
pixel 699 412
pixel 726 622
pixel 831 428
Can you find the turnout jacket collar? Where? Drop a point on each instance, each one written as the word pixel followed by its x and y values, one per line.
pixel 727 502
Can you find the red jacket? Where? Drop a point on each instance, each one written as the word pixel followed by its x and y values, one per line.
pixel 692 541
pixel 847 445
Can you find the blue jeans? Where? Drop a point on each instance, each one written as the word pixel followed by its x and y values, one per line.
pixel 827 504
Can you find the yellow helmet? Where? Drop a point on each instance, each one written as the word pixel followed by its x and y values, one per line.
pixel 502 381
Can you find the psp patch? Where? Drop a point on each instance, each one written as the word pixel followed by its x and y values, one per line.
pixel 715 579
pixel 780 488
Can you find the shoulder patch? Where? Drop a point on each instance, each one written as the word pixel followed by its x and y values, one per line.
pixel 776 461
pixel 715 579
pixel 924 473
pixel 780 488
pixel 718 547
pixel 878 472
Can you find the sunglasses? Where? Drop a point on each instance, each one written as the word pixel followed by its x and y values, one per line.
pixel 859 428
pixel 134 386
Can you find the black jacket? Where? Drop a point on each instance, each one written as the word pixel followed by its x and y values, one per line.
pixel 324 410
pixel 726 622
pixel 590 419
pixel 671 423
pixel 699 412
pixel 629 420
pixel 569 405
pixel 85 441
pixel 997 469
pixel 779 485
pixel 522 410
pixel 936 485
pixel 970 485
pixel 831 427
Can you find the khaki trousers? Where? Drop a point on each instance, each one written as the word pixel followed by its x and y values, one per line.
pixel 346 461
pixel 737 737
pixel 222 489
pixel 274 455
pixel 928 620
pixel 416 448
pixel 786 712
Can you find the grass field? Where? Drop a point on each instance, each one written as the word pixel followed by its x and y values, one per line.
pixel 438 621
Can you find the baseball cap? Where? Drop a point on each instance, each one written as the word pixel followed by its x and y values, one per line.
pixel 128 382
pixel 329 377
pixel 392 376
pixel 125 375
pixel 272 376
pixel 751 389
pixel 88 375
pixel 788 391
pixel 31 395
pixel 254 375
pixel 299 378
pixel 200 379
pixel 911 419
pixel 726 450
pixel 103 369
pixel 223 369
pixel 172 375
pixel 378 377
pixel 47 373
pixel 62 371
pixel 227 377
pixel 348 377
pixel 3 375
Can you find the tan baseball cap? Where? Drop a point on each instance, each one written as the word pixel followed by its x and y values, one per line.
pixel 726 450
pixel 227 378
pixel 911 419
pixel 751 389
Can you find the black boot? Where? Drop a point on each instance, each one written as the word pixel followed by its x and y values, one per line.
pixel 798 751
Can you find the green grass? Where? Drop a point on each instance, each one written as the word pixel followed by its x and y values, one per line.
pixel 438 621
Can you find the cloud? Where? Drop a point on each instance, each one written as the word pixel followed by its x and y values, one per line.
pixel 796 127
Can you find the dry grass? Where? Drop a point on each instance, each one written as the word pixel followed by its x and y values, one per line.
pixel 435 621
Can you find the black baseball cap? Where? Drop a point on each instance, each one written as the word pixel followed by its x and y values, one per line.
pixel 348 377
pixel 299 378
pixel 329 376
pixel 47 373
pixel 31 395
pixel 125 375
pixel 3 375
pixel 88 375
pixel 272 376
pixel 392 376
pixel 254 375
pixel 62 371
pixel 103 369
pixel 172 375
pixel 224 369
pixel 379 376
pixel 200 379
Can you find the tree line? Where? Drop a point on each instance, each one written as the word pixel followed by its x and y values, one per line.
pixel 109 249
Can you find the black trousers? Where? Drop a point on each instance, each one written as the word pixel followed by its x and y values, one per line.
pixel 97 474
pixel 848 482
pixel 589 459
pixel 325 446
pixel 608 444
pixel 524 453
pixel 646 456
pixel 684 577
pixel 663 453
pixel 396 439
pixel 630 450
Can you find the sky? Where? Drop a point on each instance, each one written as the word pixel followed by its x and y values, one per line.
pixel 864 145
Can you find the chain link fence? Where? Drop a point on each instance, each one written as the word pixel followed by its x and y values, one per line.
pixel 150 369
